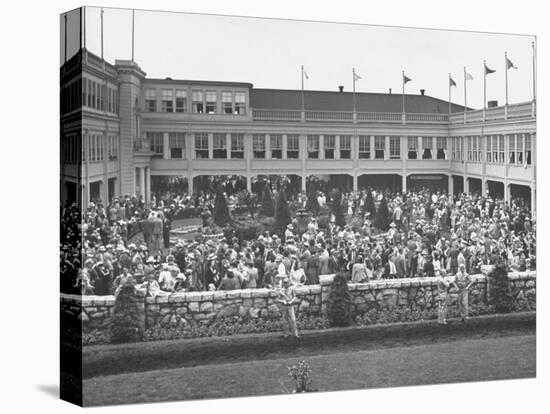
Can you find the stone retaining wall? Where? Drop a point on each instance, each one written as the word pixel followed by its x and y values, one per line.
pixel 183 311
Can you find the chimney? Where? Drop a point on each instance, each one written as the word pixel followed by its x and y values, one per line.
pixel 341 88
pixel 390 91
pixel 492 104
pixel 422 91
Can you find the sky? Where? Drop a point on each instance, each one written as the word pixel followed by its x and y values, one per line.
pixel 269 53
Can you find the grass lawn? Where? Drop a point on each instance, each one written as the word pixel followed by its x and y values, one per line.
pixel 477 359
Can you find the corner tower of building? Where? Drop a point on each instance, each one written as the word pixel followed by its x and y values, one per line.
pixel 130 78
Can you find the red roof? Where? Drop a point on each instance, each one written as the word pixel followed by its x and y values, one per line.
pixel 343 101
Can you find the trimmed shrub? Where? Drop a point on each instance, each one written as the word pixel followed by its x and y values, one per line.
pixel 268 204
pixel 500 292
pixel 282 212
pixel 382 218
pixel 127 324
pixel 339 302
pixel 221 211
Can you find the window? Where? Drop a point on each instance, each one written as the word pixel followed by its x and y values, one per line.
pixel 441 148
pixel 276 144
pixel 167 100
pixel 364 146
pixel 345 147
pixel 156 142
pixel 112 147
pixel 258 146
pixel 220 146
pixel 412 148
pixel 227 102
pixel 501 149
pixel 512 149
pixel 201 145
pixel 379 147
pixel 150 100
pixel 519 149
pixel 177 145
pixel 292 147
pixel 237 146
pixel 495 148
pixel 395 148
pixel 198 104
pixel 528 140
pixel 240 103
pixel 329 146
pixel 313 146
pixel 84 92
pixel 211 99
pixel 427 144
pixel 181 100
pixel 489 149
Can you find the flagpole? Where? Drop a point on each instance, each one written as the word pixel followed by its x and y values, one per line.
pixel 102 34
pixel 353 71
pixel 484 88
pixel 465 95
pixel 302 88
pixel 449 93
pixel 65 49
pixel 133 18
pixel 506 74
pixel 84 26
pixel 534 71
pixel 403 94
pixel 80 31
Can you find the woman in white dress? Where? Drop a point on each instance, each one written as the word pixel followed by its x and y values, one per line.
pixel 297 275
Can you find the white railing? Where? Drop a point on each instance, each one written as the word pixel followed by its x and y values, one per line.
pixel 276 115
pixel 379 117
pixel 329 116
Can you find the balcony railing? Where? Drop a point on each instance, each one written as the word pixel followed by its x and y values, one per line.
pixel 520 110
pixel 344 116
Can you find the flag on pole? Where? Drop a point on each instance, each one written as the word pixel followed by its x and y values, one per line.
pixel 467 76
pixel 356 77
pixel 405 79
pixel 509 64
pixel 451 81
pixel 306 75
pixel 488 70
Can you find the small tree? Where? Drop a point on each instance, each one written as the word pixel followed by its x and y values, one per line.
pixel 221 211
pixel 127 324
pixel 339 302
pixel 337 209
pixel 500 293
pixel 369 204
pixel 268 204
pixel 282 212
pixel 382 218
pixel 312 204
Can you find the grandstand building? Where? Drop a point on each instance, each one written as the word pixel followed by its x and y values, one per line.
pixel 120 130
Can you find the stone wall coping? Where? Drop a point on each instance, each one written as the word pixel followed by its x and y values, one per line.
pixel 93 300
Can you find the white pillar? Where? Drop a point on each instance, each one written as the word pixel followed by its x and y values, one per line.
pixel 267 146
pixel 387 147
pixel 533 200
pixel 141 173
pixel 165 146
pixel 321 147
pixel 285 147
pixel 210 146
pixel 337 147
pixel 147 186
pixel 404 183
pixel 190 188
pixel 372 147
pixel 466 185
pixel 506 193
pixel 355 184
pixel 228 146
pixel 451 186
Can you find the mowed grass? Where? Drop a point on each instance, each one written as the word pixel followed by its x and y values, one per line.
pixel 463 360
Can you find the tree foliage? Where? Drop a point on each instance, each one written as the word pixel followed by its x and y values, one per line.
pixel 221 210
pixel 500 293
pixel 282 212
pixel 339 302
pixel 127 324
pixel 268 204
pixel 382 218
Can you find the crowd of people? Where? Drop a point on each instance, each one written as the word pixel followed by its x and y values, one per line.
pixel 430 234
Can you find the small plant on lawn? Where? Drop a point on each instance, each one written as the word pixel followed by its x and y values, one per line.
pixel 339 302
pixel 500 291
pixel 301 375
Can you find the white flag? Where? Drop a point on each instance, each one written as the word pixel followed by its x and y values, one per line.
pixel 467 76
pixel 356 76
